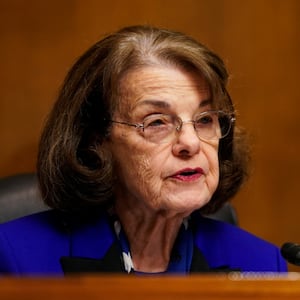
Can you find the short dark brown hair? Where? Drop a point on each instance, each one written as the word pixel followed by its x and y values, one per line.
pixel 75 172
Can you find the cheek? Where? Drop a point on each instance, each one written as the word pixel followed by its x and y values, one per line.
pixel 213 160
pixel 132 162
pixel 213 165
pixel 137 178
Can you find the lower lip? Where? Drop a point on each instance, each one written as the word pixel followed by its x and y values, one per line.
pixel 188 178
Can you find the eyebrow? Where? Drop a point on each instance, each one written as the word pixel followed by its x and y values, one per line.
pixel 152 102
pixel 164 104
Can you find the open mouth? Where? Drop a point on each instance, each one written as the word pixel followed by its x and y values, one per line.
pixel 188 174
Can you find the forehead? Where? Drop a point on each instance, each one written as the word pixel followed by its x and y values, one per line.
pixel 141 86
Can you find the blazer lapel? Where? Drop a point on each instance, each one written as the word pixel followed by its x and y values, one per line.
pixel 200 265
pixel 110 263
pixel 92 248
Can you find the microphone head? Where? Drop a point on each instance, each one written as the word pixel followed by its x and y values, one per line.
pixel 291 252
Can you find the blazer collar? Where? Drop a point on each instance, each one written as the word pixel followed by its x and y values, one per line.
pixel 94 248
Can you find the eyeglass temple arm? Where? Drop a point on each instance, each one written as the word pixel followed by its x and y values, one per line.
pixel 128 124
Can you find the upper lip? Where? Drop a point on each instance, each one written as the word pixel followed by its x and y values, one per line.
pixel 187 171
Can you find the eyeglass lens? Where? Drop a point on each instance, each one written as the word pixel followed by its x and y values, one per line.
pixel 209 125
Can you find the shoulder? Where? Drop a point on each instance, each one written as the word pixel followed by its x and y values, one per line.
pixel 50 222
pixel 24 241
pixel 226 244
pixel 34 224
pixel 35 243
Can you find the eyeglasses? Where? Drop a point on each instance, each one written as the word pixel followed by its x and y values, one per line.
pixel 161 128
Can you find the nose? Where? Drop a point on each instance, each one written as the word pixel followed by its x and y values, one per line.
pixel 187 142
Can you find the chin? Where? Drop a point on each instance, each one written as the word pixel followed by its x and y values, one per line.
pixel 190 200
pixel 185 207
pixel 181 201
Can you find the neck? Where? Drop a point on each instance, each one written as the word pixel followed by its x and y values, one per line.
pixel 151 237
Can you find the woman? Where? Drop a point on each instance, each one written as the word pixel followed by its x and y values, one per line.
pixel 140 142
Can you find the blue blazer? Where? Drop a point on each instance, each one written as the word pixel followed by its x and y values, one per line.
pixel 41 244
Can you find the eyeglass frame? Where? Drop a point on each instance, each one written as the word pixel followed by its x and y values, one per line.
pixel 231 119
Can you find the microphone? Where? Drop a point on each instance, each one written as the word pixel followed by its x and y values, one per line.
pixel 291 252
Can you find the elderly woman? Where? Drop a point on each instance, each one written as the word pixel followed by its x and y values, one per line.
pixel 139 145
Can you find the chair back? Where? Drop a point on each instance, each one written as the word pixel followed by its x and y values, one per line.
pixel 19 196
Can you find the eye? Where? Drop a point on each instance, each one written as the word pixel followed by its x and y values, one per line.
pixel 157 121
pixel 204 120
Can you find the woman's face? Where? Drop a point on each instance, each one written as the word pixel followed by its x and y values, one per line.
pixel 176 177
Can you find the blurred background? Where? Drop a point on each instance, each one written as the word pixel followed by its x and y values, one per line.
pixel 258 39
